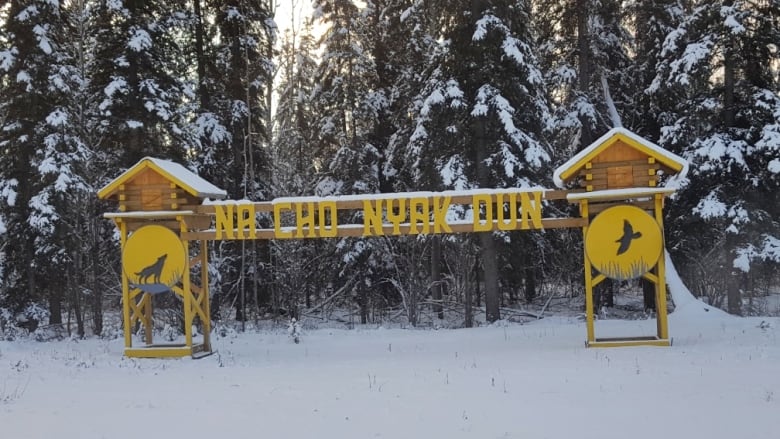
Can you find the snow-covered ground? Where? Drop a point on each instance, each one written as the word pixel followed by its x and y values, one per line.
pixel 720 379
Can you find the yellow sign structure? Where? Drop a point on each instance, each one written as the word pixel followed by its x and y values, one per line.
pixel 622 206
pixel 623 242
pixel 163 209
pixel 394 214
pixel 157 201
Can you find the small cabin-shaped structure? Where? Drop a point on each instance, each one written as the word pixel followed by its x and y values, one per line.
pixel 622 208
pixel 617 160
pixel 159 201
pixel 159 185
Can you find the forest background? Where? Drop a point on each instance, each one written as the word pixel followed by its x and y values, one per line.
pixel 385 96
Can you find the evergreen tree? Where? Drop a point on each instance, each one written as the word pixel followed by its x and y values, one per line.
pixel 27 213
pixel 583 51
pixel 298 265
pixel 470 123
pixel 348 106
pixel 719 65
pixel 140 81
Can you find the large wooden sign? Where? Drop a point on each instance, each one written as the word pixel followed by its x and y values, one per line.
pixel 397 214
pixel 163 207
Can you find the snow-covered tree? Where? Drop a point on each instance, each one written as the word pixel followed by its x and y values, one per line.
pixel 484 111
pixel 720 65
pixel 139 78
pixel 583 50
pixel 26 54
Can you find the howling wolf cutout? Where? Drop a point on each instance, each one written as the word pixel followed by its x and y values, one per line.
pixel 154 271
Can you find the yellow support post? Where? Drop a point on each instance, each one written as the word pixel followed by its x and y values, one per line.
pixel 125 288
pixel 204 280
pixel 660 286
pixel 186 289
pixel 588 278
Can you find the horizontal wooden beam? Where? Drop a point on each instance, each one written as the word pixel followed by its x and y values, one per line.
pixel 358 230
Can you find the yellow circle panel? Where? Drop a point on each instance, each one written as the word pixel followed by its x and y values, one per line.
pixel 153 259
pixel 623 242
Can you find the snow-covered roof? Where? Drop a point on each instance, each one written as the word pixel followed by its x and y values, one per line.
pixel 176 173
pixel 668 159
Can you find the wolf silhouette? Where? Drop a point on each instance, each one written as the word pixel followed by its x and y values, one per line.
pixel 154 271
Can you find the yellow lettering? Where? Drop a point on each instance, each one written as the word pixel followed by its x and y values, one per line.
pixel 396 217
pixel 419 212
pixel 332 231
pixel 440 207
pixel 502 224
pixel 245 214
pixel 477 202
pixel 304 217
pixel 278 232
pixel 224 220
pixel 531 210
pixel 372 218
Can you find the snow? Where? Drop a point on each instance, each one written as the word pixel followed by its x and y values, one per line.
pixel 43 40
pixel 139 40
pixel 710 207
pixel 57 118
pixel 537 380
pixel 188 178
pixel 149 214
pixel 7 58
pixel 23 76
pixel 684 301
pixel 774 166
pixel 405 195
pixel 603 139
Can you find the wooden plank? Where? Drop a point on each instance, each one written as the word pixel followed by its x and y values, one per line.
pixel 600 207
pixel 357 230
pixel 607 165
pixel 619 151
pixel 267 206
pixel 596 183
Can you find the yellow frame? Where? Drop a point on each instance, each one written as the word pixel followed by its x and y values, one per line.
pixel 658 279
pixel 195 300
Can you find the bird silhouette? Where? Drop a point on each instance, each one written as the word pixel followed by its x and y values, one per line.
pixel 628 236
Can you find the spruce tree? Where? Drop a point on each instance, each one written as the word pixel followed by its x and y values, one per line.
pixel 718 64
pixel 139 79
pixel 27 214
pixel 470 123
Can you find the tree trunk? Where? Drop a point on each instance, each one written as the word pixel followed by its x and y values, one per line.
pixel 734 295
pixel 585 68
pixel 529 274
pixel 436 276
pixel 203 93
pixel 648 294
pixel 468 299
pixel 728 86
pixel 487 245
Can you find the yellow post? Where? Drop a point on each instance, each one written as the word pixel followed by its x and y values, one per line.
pixel 204 280
pixel 185 286
pixel 660 286
pixel 588 278
pixel 125 288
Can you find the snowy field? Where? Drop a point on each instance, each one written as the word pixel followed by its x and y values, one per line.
pixel 720 379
